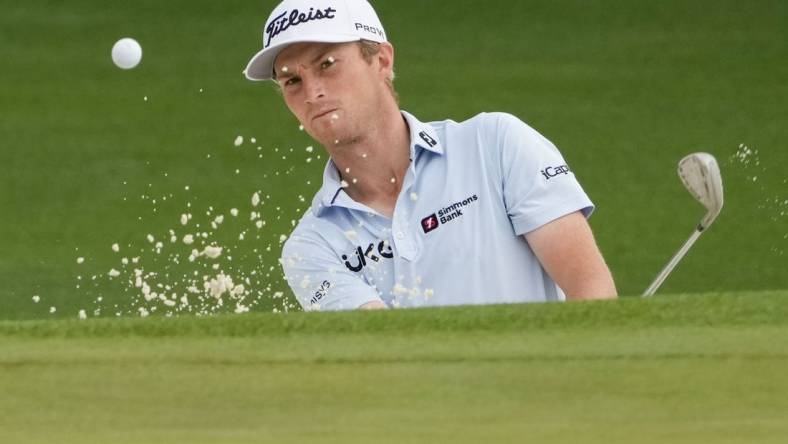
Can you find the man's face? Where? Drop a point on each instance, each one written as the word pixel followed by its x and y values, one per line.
pixel 332 90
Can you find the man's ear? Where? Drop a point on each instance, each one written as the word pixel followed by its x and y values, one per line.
pixel 386 59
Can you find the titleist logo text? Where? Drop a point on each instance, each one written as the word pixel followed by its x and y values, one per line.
pixel 294 18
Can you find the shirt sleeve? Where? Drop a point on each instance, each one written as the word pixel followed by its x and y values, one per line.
pixel 319 280
pixel 538 185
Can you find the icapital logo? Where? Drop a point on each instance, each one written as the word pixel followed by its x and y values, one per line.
pixel 551 172
pixel 283 21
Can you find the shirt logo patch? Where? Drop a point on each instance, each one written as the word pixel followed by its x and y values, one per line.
pixel 320 293
pixel 427 139
pixel 429 223
pixel 383 249
pixel 551 172
pixel 447 214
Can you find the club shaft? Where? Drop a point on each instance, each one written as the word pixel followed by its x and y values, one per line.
pixel 673 262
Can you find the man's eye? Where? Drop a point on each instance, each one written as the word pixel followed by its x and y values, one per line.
pixel 327 63
pixel 292 81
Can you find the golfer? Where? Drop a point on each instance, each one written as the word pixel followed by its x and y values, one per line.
pixel 413 213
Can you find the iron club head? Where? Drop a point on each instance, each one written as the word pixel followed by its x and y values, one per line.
pixel 701 175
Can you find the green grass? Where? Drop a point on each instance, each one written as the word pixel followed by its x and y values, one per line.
pixel 623 88
pixel 684 369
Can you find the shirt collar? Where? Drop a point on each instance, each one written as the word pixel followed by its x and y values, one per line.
pixel 422 137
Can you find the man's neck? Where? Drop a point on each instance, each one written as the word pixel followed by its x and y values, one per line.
pixel 374 166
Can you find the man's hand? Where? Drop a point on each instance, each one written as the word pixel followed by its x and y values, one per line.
pixel 567 251
pixel 374 305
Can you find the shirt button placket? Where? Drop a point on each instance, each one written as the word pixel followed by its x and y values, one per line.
pixel 402 241
pixel 400 225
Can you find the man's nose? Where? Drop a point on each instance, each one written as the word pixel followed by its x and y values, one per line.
pixel 314 89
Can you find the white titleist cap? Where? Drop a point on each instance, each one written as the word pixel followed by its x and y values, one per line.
pixel 323 21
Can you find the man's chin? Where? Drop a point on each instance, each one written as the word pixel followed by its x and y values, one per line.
pixel 331 139
pixel 324 135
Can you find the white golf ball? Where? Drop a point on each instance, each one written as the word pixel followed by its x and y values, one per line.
pixel 126 53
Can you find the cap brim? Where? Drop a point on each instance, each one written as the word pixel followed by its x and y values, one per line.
pixel 261 67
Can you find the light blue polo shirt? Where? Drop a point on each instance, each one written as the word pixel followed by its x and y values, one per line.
pixel 471 191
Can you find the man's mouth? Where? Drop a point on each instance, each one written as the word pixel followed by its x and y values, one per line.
pixel 324 113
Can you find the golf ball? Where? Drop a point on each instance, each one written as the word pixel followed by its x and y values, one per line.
pixel 126 53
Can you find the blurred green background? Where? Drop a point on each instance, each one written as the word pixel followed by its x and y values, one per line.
pixel 93 155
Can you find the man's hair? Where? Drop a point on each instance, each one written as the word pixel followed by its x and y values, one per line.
pixel 368 50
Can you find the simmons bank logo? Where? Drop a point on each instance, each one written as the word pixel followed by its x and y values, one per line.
pixel 446 214
pixel 429 223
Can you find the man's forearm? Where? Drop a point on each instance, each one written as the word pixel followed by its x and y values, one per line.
pixel 567 251
pixel 596 283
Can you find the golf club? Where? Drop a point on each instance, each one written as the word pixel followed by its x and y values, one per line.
pixel 701 175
